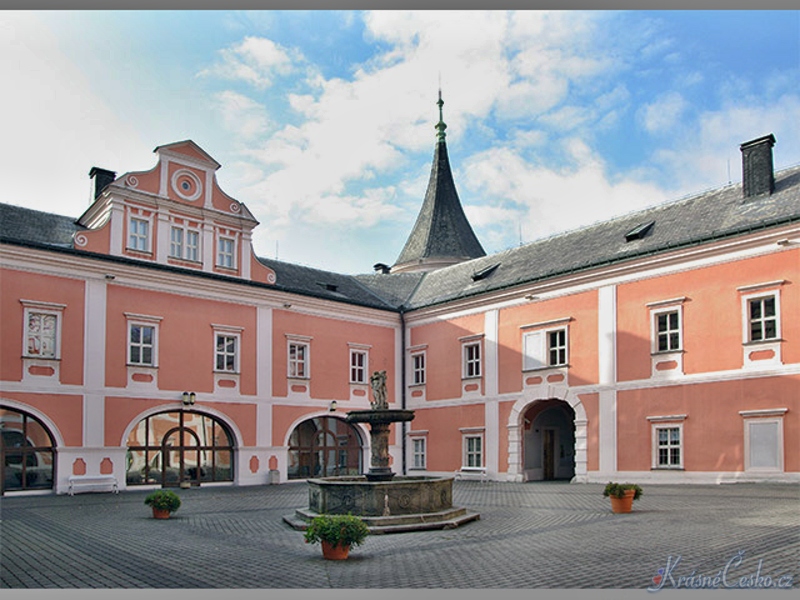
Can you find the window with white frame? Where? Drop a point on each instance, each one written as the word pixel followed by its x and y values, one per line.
pixel 358 365
pixel 418 368
pixel 667 331
pixel 418 454
pixel 176 242
pixel 42 337
pixel 226 252
pixel 142 344
pixel 472 359
pixel 226 352
pixel 667 441
pixel 298 359
pixel 763 318
pixel 139 234
pixel 184 243
pixel 668 446
pixel 545 345
pixel 473 450
pixel 192 249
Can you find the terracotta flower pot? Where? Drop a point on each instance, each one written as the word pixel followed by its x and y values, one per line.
pixel 335 552
pixel 624 504
pixel 160 513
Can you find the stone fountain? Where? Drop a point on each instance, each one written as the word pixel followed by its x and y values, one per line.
pixel 387 503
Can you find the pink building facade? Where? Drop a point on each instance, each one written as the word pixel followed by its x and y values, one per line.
pixel 146 341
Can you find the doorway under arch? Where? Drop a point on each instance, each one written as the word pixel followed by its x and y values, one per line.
pixel 177 446
pixel 324 447
pixel 27 452
pixel 548 441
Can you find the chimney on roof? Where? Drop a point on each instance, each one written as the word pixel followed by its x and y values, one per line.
pixel 102 177
pixel 757 173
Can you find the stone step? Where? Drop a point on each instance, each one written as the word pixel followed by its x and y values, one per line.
pixel 447 519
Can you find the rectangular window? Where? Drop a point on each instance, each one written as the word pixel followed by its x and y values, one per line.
pixel 557 347
pixel 142 344
pixel 668 447
pixel 139 235
pixel 418 453
pixel 668 334
pixel 546 346
pixel 418 368
pixel 298 360
pixel 176 242
pixel 41 335
pixel 358 366
pixel 192 245
pixel 763 319
pixel 472 360
pixel 473 451
pixel 226 353
pixel 225 253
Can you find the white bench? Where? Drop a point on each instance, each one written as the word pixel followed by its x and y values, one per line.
pixel 93 482
pixel 469 472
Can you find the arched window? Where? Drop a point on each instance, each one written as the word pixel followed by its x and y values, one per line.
pixel 324 447
pixel 170 447
pixel 27 452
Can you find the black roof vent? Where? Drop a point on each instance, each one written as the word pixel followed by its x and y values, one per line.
pixel 331 287
pixel 484 273
pixel 639 231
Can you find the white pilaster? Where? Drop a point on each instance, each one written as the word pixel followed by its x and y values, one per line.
pixel 491 366
pixel 607 359
pixel 264 376
pixel 94 363
pixel 162 237
pixel 491 435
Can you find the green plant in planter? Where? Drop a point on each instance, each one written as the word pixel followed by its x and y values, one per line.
pixel 163 500
pixel 617 490
pixel 337 530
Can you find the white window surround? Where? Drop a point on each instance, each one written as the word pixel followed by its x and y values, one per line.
pixel 770 451
pixel 226 251
pixel 674 305
pixel 472 356
pixel 188 246
pixel 140 233
pixel 138 320
pixel 417 361
pixel 761 291
pixel 359 363
pixel 470 455
pixel 298 367
pixel 658 423
pixel 47 309
pixel 536 344
pixel 228 332
pixel 418 449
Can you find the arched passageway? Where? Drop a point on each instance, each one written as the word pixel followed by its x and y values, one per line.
pixel 27 452
pixel 324 447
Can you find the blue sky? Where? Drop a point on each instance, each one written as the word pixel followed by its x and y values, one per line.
pixel 323 121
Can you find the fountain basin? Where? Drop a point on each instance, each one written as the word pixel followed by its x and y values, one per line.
pixel 402 504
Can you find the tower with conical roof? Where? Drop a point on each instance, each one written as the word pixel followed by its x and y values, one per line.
pixel 442 234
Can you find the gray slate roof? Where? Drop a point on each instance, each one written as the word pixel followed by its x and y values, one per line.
pixel 712 215
pixel 442 229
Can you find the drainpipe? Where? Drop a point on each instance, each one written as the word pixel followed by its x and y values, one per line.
pixel 403 379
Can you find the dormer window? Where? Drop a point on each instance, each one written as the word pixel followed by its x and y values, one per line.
pixel 484 273
pixel 639 232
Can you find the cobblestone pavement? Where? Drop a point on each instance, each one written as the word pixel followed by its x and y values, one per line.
pixel 534 535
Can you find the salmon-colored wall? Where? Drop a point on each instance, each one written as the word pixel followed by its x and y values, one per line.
pixel 147 181
pixel 712 314
pixel 582 343
pixel 444 436
pixel 19 285
pixel 185 338
pixel 444 354
pixel 591 404
pixel 64 410
pixel 713 431
pixel 98 240
pixel 122 412
pixel 330 354
pixel 282 419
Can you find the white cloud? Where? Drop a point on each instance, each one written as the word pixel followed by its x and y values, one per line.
pixel 242 116
pixel 254 60
pixel 664 113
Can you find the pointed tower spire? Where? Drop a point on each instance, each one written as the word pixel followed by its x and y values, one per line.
pixel 442 234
